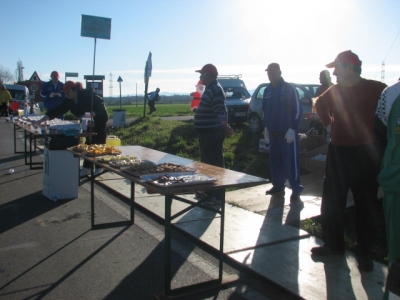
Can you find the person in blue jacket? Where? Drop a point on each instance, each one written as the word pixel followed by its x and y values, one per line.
pixel 282 113
pixel 52 94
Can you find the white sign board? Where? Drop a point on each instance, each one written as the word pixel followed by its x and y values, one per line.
pixel 96 27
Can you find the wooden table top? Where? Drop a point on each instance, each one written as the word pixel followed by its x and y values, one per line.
pixel 225 178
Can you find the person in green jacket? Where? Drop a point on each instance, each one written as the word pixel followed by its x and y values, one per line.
pixel 387 130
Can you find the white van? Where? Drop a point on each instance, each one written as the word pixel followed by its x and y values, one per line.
pixel 19 93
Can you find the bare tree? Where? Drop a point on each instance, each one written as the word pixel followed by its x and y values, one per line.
pixel 5 75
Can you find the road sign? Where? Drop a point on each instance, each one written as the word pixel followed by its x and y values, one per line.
pixel 70 74
pixel 96 27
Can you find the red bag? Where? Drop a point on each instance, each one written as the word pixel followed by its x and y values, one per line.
pixel 14 105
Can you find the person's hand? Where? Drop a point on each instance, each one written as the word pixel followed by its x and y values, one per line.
pixel 328 128
pixel 228 130
pixel 266 134
pixel 289 136
pixel 52 95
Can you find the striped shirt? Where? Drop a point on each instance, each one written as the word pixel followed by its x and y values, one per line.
pixel 211 111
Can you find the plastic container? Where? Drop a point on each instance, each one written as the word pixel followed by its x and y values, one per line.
pixel 84 122
pixel 113 140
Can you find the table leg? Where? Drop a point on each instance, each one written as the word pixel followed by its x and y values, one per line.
pixel 167 277
pixel 221 238
pixel 92 194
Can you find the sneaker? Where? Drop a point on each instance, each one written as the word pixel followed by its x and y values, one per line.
pixel 325 251
pixel 365 263
pixel 84 172
pixel 98 171
pixel 274 190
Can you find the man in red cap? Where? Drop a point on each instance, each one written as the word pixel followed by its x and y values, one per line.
pixel 353 159
pixel 52 94
pixel 282 113
pixel 211 124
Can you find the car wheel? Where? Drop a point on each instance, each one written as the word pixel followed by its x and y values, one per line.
pixel 255 123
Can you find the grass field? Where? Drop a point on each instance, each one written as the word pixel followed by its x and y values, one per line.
pixel 163 110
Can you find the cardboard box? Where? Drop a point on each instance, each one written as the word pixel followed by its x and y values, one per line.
pixel 311 142
pixel 313 165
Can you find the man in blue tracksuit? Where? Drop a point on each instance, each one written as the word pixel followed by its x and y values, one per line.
pixel 282 113
pixel 52 94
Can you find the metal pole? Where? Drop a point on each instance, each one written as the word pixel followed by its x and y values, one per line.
pixel 91 102
pixel 120 104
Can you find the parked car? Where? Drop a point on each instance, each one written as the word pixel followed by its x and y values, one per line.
pixel 306 93
pixel 19 93
pixel 237 97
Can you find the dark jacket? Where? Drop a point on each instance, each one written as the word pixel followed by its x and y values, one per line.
pixel 83 105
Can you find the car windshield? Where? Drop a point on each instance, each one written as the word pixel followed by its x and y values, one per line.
pixel 236 93
pixel 17 94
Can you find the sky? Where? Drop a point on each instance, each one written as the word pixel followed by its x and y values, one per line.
pixel 237 36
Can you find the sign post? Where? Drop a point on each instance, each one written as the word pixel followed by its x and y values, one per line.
pixel 70 74
pixel 119 115
pixel 120 80
pixel 95 27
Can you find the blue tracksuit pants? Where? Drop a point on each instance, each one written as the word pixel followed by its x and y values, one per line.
pixel 284 162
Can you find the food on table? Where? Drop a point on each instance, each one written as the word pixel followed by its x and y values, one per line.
pixel 142 168
pixel 166 180
pixel 97 149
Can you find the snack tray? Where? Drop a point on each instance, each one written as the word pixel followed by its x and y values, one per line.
pixel 191 178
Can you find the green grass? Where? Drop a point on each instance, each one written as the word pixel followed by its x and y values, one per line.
pixel 179 138
pixel 163 110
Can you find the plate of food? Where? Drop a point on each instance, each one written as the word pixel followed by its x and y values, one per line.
pixel 150 168
pixel 178 179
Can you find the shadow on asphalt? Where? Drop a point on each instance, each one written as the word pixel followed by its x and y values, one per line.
pixel 21 210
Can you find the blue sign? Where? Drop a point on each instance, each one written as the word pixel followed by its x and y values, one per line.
pixel 96 27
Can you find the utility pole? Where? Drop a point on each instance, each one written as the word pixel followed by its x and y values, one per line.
pixel 383 72
pixel 110 92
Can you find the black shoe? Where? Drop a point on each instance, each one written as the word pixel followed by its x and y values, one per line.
pixel 295 197
pixel 325 251
pixel 274 190
pixel 365 263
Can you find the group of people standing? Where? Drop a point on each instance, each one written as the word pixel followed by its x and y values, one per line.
pixel 71 97
pixel 354 158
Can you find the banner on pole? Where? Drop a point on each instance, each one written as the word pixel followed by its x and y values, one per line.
pixel 96 27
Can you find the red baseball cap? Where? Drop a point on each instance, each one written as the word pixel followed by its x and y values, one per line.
pixel 68 85
pixel 273 67
pixel 209 68
pixel 55 73
pixel 345 57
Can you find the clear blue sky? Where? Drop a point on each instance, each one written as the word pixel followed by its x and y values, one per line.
pixel 238 36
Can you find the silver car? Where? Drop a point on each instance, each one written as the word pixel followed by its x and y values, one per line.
pixel 306 93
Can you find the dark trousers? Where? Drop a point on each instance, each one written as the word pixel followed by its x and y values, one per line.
pixel 4 110
pixel 211 148
pixel 99 138
pixel 152 105
pixel 354 168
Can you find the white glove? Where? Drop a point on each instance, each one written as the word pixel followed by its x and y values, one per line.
pixel 51 95
pixel 328 128
pixel 289 136
pixel 266 134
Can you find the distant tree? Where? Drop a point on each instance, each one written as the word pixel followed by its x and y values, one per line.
pixel 5 75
